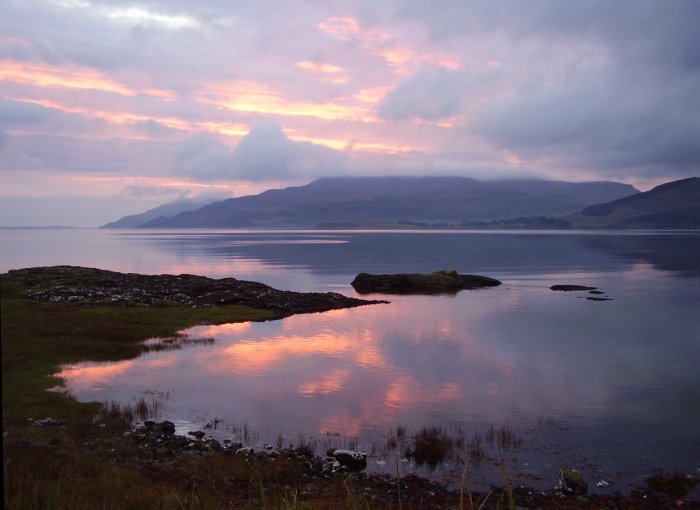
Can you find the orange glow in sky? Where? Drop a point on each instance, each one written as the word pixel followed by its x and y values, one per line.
pixel 249 96
pixel 71 78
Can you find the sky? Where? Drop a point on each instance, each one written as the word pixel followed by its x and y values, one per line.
pixel 110 108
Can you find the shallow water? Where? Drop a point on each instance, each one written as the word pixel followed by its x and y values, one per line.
pixel 607 387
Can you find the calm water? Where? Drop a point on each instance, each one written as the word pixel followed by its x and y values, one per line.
pixel 611 388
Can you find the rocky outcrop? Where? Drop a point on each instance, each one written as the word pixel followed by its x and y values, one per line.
pixel 446 281
pixel 569 288
pixel 70 284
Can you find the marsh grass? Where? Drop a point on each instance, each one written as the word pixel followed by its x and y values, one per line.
pixel 678 485
pixel 432 445
pixel 176 342
pixel 504 437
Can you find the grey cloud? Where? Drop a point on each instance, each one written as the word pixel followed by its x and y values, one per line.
pixel 608 87
pixel 16 113
pixel 204 157
pixel 635 25
pixel 69 154
pixel 153 128
pixel 145 191
pixel 264 154
pixel 169 194
pixel 4 137
pixel 430 94
pixel 267 154
pixel 639 127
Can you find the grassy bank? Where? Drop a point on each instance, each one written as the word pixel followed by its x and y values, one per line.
pixel 38 337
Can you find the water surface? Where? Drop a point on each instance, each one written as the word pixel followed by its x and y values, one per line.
pixel 607 387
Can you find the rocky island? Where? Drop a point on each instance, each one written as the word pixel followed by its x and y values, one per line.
pixel 82 285
pixel 445 281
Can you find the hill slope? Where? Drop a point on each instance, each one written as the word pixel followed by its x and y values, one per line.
pixel 387 201
pixel 166 210
pixel 672 205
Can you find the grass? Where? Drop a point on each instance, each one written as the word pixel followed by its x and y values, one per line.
pixel 678 485
pixel 505 437
pixel 38 337
pixel 432 445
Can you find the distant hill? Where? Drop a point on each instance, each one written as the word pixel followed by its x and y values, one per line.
pixel 166 210
pixel 351 202
pixel 674 205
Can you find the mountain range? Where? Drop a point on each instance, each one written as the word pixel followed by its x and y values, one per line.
pixel 384 202
pixel 351 202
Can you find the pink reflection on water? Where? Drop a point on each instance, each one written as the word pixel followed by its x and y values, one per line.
pixel 89 376
pixel 251 357
pixel 405 392
pixel 218 268
pixel 414 361
pixel 232 328
pixel 329 383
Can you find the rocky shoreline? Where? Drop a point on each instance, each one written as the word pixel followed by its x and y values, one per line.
pixel 82 285
pixel 154 450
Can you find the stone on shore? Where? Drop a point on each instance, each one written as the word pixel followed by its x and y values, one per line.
pixel 350 460
pixel 571 482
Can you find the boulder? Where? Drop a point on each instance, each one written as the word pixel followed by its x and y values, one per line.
pixel 571 482
pixel 164 428
pixel 446 281
pixel 350 460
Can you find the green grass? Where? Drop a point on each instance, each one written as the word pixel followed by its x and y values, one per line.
pixel 38 337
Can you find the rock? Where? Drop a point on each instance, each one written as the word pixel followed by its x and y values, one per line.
pixel 571 482
pixel 351 460
pixel 568 288
pixel 416 283
pixel 197 434
pixel 164 428
pixel 46 422
pixel 245 451
pixel 82 285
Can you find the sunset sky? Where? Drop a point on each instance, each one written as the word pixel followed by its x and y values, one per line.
pixel 110 108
